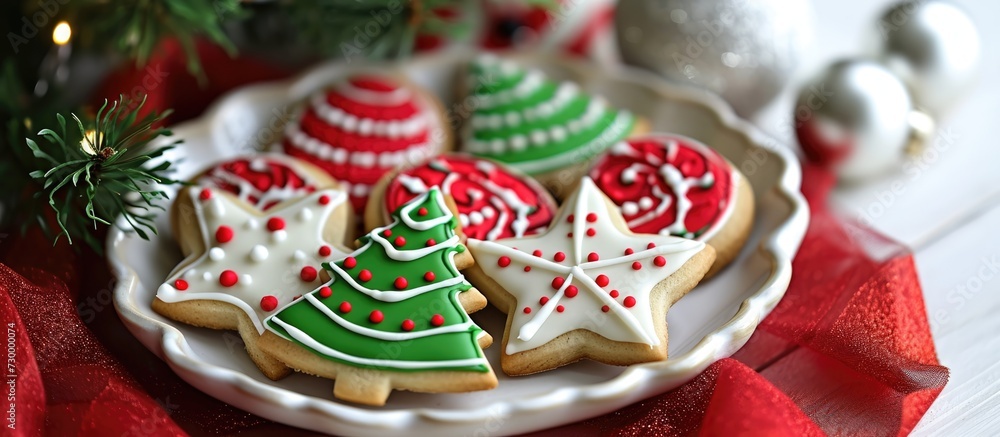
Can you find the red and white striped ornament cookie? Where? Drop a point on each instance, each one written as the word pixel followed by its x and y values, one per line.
pixel 673 185
pixel 364 126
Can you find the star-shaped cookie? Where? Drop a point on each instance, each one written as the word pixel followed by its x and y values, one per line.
pixel 243 264
pixel 587 288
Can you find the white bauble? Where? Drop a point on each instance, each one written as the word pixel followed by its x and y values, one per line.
pixel 746 51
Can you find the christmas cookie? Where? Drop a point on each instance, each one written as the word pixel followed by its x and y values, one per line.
pixel 394 314
pixel 546 129
pixel 364 126
pixel 243 264
pixel 587 288
pixel 673 185
pixel 492 200
pixel 265 180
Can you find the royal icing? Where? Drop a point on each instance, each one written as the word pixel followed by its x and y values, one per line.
pixel 492 202
pixel 262 181
pixel 583 273
pixel 393 303
pixel 362 127
pixel 536 125
pixel 669 185
pixel 251 261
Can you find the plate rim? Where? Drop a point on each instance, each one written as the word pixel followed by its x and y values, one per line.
pixel 779 246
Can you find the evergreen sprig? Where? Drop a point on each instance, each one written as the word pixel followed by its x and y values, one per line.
pixel 99 172
pixel 373 28
pixel 136 27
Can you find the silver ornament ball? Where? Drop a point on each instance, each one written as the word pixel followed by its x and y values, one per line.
pixel 854 117
pixel 934 47
pixel 746 51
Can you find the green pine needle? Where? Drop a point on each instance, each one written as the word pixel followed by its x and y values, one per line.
pixel 98 170
pixel 136 27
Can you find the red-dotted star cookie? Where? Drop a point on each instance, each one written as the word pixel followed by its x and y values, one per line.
pixel 243 264
pixel 587 288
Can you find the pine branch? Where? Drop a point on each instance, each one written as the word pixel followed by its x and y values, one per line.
pixel 137 27
pixel 92 172
pixel 372 28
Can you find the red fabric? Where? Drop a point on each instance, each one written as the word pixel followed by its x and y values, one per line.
pixel 848 351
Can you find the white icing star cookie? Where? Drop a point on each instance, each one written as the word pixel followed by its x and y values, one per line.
pixel 587 288
pixel 243 264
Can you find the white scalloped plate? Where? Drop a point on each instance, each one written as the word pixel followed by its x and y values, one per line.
pixel 711 323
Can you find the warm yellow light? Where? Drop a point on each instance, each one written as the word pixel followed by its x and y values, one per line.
pixel 62 33
pixel 89 142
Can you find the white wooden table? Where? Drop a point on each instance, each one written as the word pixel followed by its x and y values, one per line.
pixel 948 213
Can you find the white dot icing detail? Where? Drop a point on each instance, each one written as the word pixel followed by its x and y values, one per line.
pixel 258 253
pixel 216 254
pixel 279 236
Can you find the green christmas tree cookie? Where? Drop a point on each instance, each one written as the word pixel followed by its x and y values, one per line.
pixel 392 315
pixel 534 124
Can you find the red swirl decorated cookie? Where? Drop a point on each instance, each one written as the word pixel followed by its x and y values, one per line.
pixel 364 126
pixel 493 201
pixel 264 180
pixel 673 185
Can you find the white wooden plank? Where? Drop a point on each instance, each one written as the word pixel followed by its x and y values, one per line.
pixel 960 273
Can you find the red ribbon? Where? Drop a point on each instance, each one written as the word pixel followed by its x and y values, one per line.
pixel 847 351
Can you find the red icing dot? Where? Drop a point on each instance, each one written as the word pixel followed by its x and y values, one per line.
pixel 407 325
pixel 205 194
pixel 571 291
pixel 324 199
pixel 560 308
pixel 308 273
pixel 570 218
pixel 569 235
pixel 429 276
pixel 325 251
pixel 325 292
pixel 629 302
pixel 591 232
pixel 527 268
pixel 602 280
pixel 268 303
pixel 659 261
pixel 605 308
pixel 387 233
pixel 437 320
pixel 275 224
pixel 591 217
pixel 559 257
pixel 365 275
pixel 543 300
pixel 430 242
pixel 593 256
pixel 400 241
pixel 614 293
pixel 224 234
pixel 527 310
pixel 557 282
pixel 345 307
pixel 629 251
pixel 636 265
pixel 504 261
pixel 181 284
pixel 400 283
pixel 537 253
pixel 376 316
pixel 650 245
pixel 422 211
pixel 228 278
pixel 350 262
